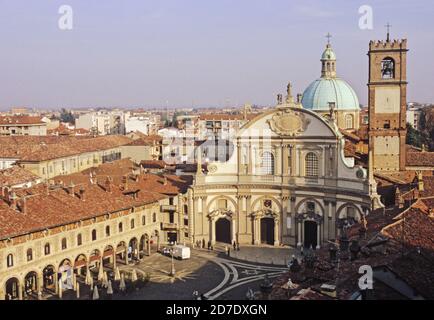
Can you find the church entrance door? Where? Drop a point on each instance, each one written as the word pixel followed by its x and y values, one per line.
pixel 310 234
pixel 223 230
pixel 267 231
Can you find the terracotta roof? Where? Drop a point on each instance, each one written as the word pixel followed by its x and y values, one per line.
pixel 20 120
pixel 420 159
pixel 15 176
pixel 381 247
pixel 154 164
pixel 58 207
pixel 40 148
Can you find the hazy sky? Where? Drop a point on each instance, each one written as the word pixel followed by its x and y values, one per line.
pixel 196 52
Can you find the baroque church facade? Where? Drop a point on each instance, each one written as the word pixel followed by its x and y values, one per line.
pixel 287 182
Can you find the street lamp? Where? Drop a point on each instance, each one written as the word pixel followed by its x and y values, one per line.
pixel 172 269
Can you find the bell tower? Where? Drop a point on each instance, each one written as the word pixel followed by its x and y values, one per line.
pixel 387 103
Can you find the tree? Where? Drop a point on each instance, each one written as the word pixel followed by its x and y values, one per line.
pixel 66 116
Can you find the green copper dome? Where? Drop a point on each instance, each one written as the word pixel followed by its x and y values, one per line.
pixel 329 88
pixel 324 90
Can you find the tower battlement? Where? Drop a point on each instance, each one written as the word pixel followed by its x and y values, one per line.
pixel 388 44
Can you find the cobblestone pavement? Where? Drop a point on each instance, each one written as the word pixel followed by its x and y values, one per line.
pixel 214 274
pixel 209 273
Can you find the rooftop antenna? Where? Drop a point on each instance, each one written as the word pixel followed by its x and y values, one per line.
pixel 388 26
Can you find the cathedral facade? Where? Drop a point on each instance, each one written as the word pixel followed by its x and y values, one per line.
pixel 286 183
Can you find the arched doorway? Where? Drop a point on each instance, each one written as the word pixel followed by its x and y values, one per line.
pixel 267 231
pixel 107 259
pixel 66 274
pixel 223 231
pixel 310 234
pixel 31 284
pixel 121 251
pixel 12 289
pixel 94 262
pixel 49 278
pixel 133 250
pixel 80 265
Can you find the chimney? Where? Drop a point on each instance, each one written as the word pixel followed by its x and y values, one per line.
pixel 71 189
pixel 420 184
pixel 399 201
pixel 12 199
pixel 125 182
pixel 107 185
pixel 165 181
pixel 23 205
pixel 82 194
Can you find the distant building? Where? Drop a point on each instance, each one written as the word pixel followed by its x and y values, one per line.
pixel 144 124
pixel 413 117
pixel 102 122
pixel 22 126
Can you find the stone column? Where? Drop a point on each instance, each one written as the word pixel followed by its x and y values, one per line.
pixel 114 258
pixel 318 236
pixel 249 159
pixel 56 282
pixel 20 290
pixel 326 235
pixel 285 160
pixel 276 233
pixel 212 235
pixel 126 253
pixel 39 282
pixel 278 160
pixel 234 230
pixel 257 231
pixel 299 226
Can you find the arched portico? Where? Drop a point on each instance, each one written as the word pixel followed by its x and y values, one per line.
pixel 31 285
pixel 13 289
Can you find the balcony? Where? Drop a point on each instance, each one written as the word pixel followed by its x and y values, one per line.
pixel 169 226
pixel 168 208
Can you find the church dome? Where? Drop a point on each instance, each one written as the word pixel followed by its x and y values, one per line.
pixel 324 90
pixel 329 88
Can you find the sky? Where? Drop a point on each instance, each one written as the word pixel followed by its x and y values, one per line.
pixel 183 53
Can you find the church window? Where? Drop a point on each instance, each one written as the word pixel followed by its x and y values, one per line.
pixel 79 239
pixel 349 122
pixel 29 254
pixel 267 163
pixel 93 235
pixel 10 261
pixel 64 244
pixel 311 165
pixel 47 249
pixel 388 68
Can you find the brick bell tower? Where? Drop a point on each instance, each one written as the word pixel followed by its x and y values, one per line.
pixel 388 103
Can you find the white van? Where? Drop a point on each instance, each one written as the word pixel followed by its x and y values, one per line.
pixel 181 252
